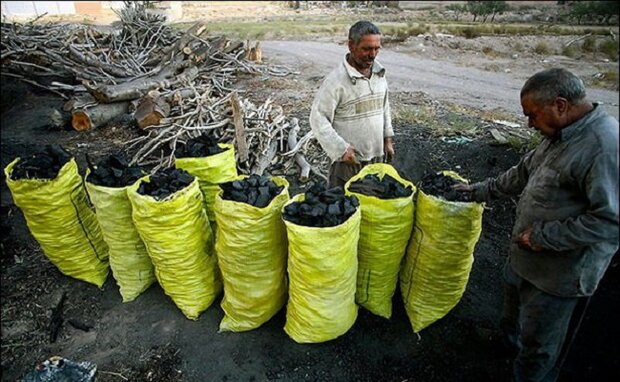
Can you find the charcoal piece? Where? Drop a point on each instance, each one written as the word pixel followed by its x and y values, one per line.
pixel 321 207
pixel 386 188
pixel 440 185
pixel 44 164
pixel 202 146
pixel 255 190
pixel 113 171
pixel 165 183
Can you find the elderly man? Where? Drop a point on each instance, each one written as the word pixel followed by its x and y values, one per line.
pixel 566 228
pixel 350 114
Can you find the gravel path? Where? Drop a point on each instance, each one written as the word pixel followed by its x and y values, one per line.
pixel 441 80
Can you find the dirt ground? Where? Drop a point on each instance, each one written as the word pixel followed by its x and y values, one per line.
pixel 150 340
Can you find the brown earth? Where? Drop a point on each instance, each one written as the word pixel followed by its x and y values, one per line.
pixel 150 340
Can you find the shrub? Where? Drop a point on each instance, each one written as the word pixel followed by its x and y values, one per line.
pixel 570 51
pixel 542 48
pixel 610 49
pixel 588 44
pixel 470 32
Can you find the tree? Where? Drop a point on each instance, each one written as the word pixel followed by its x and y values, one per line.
pixel 457 9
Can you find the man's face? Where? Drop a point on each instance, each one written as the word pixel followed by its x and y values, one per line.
pixel 544 118
pixel 363 53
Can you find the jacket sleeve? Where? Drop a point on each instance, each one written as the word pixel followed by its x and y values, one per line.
pixel 599 223
pixel 322 117
pixel 388 131
pixel 510 183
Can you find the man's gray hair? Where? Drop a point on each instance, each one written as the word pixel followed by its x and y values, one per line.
pixel 362 28
pixel 545 86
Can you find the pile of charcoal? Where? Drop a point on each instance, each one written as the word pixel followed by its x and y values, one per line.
pixel 440 185
pixel 321 208
pixel 42 165
pixel 254 190
pixel 165 183
pixel 202 146
pixel 386 188
pixel 113 171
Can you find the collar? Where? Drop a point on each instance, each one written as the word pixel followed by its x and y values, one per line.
pixel 354 74
pixel 574 128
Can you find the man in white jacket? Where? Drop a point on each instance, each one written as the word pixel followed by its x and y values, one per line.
pixel 350 114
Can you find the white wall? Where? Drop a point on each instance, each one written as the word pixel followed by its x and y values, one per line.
pixel 36 8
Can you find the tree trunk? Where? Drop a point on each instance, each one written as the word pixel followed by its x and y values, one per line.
pixel 151 109
pixel 96 116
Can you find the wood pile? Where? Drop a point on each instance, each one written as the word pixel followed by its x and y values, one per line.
pixel 176 85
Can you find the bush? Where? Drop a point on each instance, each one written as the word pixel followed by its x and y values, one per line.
pixel 570 51
pixel 470 32
pixel 610 49
pixel 542 48
pixel 588 44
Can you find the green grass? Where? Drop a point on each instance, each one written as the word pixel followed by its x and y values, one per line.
pixel 308 27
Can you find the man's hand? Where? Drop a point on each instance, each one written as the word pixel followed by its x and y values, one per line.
pixel 349 155
pixel 388 149
pixel 523 241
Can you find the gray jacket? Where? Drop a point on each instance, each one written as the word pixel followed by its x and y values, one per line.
pixel 569 194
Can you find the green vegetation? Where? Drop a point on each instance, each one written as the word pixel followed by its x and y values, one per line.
pixel 597 12
pixel 542 48
pixel 609 48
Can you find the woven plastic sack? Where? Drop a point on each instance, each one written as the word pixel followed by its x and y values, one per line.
pixel 60 218
pixel 251 249
pixel 384 233
pixel 439 256
pixel 131 265
pixel 322 270
pixel 211 171
pixel 178 239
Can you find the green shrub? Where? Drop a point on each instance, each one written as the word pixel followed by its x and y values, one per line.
pixel 588 44
pixel 610 49
pixel 470 32
pixel 570 51
pixel 542 48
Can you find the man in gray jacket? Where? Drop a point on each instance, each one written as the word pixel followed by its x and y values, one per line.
pixel 566 228
pixel 350 115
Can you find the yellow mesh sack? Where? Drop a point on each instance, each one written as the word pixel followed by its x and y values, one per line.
pixel 322 270
pixel 384 233
pixel 211 171
pixel 60 218
pixel 251 249
pixel 439 256
pixel 130 263
pixel 178 239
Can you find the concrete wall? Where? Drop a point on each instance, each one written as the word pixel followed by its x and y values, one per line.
pixel 21 9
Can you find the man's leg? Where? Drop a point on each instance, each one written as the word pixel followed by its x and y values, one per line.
pixel 509 323
pixel 544 321
pixel 340 173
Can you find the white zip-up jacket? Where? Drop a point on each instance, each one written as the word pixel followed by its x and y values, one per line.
pixel 350 109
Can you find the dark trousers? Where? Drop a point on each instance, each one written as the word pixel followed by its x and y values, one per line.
pixel 536 323
pixel 341 172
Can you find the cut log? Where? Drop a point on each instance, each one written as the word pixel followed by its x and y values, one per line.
pixel 59 119
pixel 96 116
pixel 127 91
pixel 303 164
pixel 256 54
pixel 150 110
pixel 79 102
pixel 242 146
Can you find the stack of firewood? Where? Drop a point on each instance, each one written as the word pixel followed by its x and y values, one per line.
pixel 176 85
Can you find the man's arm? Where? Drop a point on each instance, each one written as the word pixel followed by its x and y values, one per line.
pixel 321 118
pixel 508 184
pixel 388 131
pixel 598 224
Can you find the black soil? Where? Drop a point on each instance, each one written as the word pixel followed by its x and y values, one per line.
pixel 149 339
